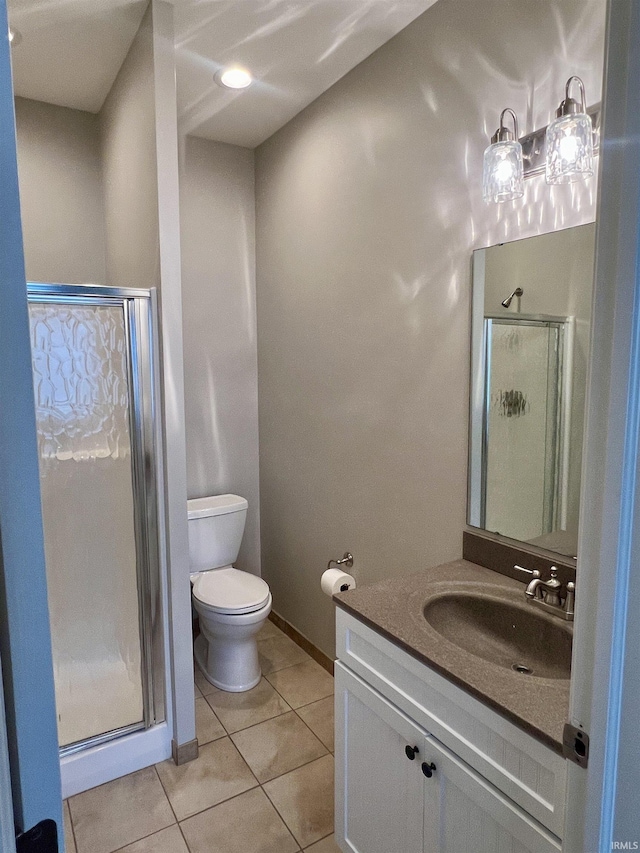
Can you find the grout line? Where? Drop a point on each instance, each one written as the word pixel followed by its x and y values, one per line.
pixel 73 830
pixel 322 699
pixel 215 805
pixel 235 797
pixel 144 837
pixel 316 736
pixel 242 758
pixel 202 743
pixel 293 769
pixel 304 642
pixel 253 725
pixel 184 838
pixel 213 740
pixel 268 720
pixel 285 824
pixel 277 692
pixel 306 705
pixel 289 665
pixel 257 785
pixel 218 718
pixel 164 790
pixel 289 708
pixel 318 841
pixel 277 811
pixel 288 638
pixel 135 841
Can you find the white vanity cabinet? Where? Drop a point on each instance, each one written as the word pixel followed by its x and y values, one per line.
pixel 445 798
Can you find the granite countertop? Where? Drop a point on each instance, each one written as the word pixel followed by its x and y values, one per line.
pixel 394 608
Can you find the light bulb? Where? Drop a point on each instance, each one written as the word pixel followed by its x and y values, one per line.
pixel 502 174
pixel 569 143
pixel 504 171
pixel 234 78
pixel 569 140
pixel 568 148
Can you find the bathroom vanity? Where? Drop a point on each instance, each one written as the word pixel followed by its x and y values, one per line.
pixel 442 742
pixel 452 685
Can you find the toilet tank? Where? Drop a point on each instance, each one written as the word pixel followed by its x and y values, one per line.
pixel 216 525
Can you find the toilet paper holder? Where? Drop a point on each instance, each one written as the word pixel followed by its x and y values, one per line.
pixel 347 560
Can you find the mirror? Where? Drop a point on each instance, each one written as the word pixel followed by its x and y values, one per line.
pixel 531 318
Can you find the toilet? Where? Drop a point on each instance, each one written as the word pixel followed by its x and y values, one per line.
pixel 232 605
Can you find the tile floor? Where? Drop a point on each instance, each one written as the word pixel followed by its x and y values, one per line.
pixel 263 782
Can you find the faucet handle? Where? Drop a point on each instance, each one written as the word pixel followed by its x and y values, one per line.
pixel 553 583
pixel 534 572
pixel 569 602
pixel 551 589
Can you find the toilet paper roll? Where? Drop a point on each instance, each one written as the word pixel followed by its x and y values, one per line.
pixel 335 580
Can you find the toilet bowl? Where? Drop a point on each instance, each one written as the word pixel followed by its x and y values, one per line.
pixel 226 651
pixel 232 605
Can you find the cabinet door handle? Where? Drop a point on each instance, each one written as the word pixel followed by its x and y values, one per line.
pixel 411 752
pixel 428 769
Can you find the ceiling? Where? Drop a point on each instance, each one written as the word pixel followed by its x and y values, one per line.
pixel 71 51
pixel 296 50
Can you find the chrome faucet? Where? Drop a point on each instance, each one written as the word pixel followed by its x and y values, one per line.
pixel 547 593
pixel 550 594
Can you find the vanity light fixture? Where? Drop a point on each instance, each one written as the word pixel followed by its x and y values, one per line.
pixel 563 151
pixel 569 140
pixel 503 171
pixel 233 77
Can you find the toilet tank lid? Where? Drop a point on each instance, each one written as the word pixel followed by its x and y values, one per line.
pixel 215 505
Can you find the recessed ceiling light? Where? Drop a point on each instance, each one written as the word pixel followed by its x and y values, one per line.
pixel 14 37
pixel 234 77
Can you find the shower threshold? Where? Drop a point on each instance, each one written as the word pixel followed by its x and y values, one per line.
pixel 98 740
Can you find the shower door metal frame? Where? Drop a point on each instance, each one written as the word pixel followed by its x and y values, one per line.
pixel 140 313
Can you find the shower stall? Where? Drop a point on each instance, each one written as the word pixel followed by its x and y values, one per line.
pixel 526 424
pixel 93 351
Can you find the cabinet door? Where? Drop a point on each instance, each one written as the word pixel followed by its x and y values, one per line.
pixel 465 814
pixel 379 790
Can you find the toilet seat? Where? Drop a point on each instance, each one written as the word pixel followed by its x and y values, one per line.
pixel 230 591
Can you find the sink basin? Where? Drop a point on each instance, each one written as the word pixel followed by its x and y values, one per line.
pixel 512 635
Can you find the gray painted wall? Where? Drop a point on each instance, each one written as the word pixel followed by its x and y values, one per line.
pixel 88 183
pixel 132 149
pixel 60 193
pixel 369 205
pixel 129 163
pixel 217 226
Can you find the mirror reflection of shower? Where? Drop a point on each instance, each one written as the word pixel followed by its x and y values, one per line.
pixel 518 293
pixel 528 391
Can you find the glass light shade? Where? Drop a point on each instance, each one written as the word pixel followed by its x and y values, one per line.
pixel 569 142
pixel 503 174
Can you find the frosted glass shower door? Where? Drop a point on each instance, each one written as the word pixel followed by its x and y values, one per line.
pixel 523 387
pixel 83 367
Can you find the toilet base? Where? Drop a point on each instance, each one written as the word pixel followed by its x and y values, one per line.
pixel 237 675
